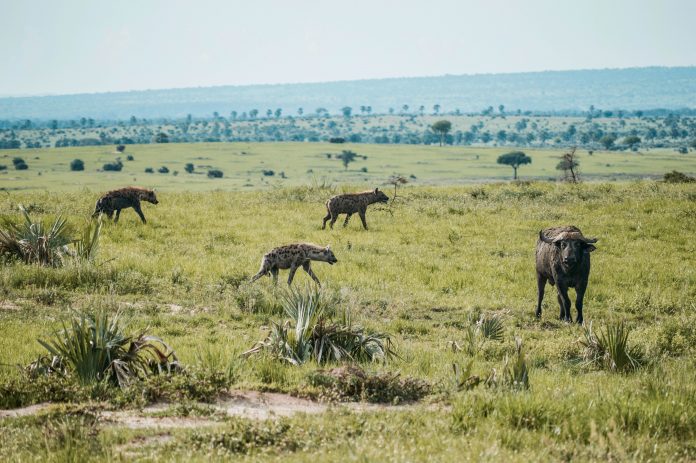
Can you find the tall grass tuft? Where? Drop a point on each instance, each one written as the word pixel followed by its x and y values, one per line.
pixel 87 246
pixel 609 349
pixel 95 348
pixel 310 334
pixel 515 370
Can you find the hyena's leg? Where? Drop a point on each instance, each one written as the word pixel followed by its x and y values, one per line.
pixel 334 218
pixel 140 212
pixel 308 268
pixel 293 269
pixel 110 214
pixel 362 217
pixel 274 273
pixel 326 219
pixel 345 224
pixel 118 214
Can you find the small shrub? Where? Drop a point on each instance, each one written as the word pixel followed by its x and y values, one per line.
pixel 163 170
pixel 121 149
pixel 130 158
pixel 115 166
pixel 18 160
pixel 268 173
pixel 21 166
pixel 189 167
pixel 363 169
pixel 77 165
pixel 215 173
pixel 337 140
pixel 149 170
pixel 678 177
pixel 3 167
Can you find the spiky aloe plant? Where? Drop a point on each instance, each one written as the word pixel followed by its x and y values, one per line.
pixel 515 370
pixel 95 348
pixel 35 242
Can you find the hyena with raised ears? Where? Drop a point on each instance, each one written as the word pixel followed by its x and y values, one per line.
pixel 124 198
pixel 351 203
pixel 293 256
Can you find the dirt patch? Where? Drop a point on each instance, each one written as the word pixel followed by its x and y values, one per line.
pixel 245 404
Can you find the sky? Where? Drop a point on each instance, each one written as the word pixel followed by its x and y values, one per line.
pixel 86 46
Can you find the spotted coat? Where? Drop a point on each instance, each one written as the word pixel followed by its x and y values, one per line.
pixel 351 203
pixel 124 198
pixel 293 256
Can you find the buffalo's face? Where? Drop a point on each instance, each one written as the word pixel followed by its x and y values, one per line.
pixel 572 251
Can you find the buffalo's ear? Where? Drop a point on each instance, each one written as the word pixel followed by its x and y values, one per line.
pixel 589 248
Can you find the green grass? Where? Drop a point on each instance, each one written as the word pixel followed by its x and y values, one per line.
pixel 305 163
pixel 432 262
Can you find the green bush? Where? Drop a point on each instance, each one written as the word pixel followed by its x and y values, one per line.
pixel 77 165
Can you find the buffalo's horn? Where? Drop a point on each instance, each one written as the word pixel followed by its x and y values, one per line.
pixel 543 238
pixel 589 240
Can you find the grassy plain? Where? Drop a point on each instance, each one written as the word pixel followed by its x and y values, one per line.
pixel 430 263
pixel 243 165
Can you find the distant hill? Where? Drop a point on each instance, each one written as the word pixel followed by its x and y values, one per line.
pixel 635 88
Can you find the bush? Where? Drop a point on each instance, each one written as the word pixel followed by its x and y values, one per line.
pixel 268 173
pixel 130 158
pixel 215 173
pixel 121 148
pixel 17 160
pixel 113 166
pixel 189 168
pixel 3 167
pixel 21 165
pixel 678 177
pixel 149 170
pixel 163 170
pixel 337 140
pixel 77 165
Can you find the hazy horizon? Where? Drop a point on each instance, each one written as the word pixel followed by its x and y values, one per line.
pixel 74 47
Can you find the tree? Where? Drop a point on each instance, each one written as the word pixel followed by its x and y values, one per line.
pixel 278 113
pixel 436 109
pixel 404 109
pixel 253 113
pixel 514 159
pixel 120 148
pixel 442 128
pixel 300 111
pixel 608 141
pixel 569 165
pixel 189 167
pixel 346 110
pixel 77 165
pixel 347 157
pixel 421 109
pixel 269 113
pixel 162 138
pixel 632 141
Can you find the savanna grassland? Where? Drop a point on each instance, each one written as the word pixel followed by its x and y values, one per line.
pixel 433 262
pixel 243 165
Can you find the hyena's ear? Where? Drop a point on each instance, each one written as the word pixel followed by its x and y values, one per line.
pixel 376 190
pixel 328 247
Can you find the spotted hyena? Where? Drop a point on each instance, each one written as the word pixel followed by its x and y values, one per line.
pixel 123 199
pixel 351 203
pixel 294 256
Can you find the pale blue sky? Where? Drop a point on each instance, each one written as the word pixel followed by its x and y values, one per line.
pixel 77 46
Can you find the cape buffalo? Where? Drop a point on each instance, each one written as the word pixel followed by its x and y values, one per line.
pixel 563 259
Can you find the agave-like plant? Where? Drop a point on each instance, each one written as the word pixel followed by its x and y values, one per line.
pixel 516 371
pixel 35 242
pixel 492 327
pixel 309 334
pixel 95 348
pixel 610 349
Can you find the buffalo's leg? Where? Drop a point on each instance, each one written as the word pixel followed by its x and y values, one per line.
pixel 580 297
pixel 541 285
pixel 564 301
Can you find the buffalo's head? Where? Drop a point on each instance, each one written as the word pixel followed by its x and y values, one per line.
pixel 571 244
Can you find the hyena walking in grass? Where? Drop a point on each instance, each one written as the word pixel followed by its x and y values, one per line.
pixel 123 199
pixel 351 203
pixel 292 257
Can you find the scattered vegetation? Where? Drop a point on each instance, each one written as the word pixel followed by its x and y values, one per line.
pixel 678 177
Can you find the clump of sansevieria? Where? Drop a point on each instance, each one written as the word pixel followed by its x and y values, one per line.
pixel 610 349
pixel 95 348
pixel 310 334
